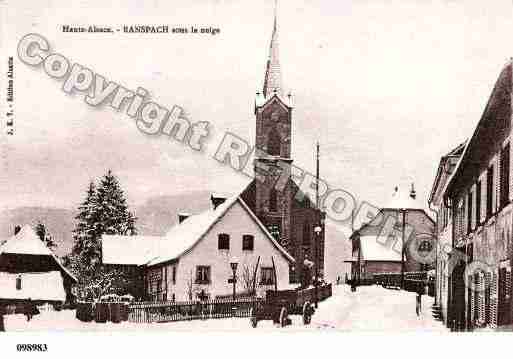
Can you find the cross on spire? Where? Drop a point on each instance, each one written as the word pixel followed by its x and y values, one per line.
pixel 272 81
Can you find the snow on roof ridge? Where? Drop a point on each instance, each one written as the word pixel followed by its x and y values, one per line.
pixel 26 241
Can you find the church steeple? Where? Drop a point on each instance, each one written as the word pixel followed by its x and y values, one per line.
pixel 272 81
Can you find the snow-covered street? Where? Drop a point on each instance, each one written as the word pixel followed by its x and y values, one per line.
pixel 370 308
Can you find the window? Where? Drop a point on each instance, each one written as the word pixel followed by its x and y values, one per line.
pixel 266 276
pixel 306 234
pixel 223 241
pixel 275 231
pixel 469 212
pixel 273 200
pixel 18 283
pixel 489 192
pixel 155 281
pixel 274 143
pixel 478 203
pixel 174 275
pixel 247 242
pixel 504 189
pixel 202 274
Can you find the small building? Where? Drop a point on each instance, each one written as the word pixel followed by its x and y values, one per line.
pixel 377 247
pixel 30 270
pixel 193 260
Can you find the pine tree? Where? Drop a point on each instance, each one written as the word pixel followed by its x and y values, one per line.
pixel 104 211
pixel 114 217
pixel 86 247
pixel 45 236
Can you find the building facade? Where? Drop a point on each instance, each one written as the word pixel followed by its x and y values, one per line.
pixel 193 260
pixel 378 247
pixel 443 227
pixel 479 197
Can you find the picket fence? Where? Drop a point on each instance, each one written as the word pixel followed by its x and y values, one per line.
pixel 152 312
pixel 155 312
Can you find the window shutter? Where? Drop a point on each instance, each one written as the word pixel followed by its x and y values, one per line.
pixel 480 295
pixel 504 178
pixel 497 185
pixel 487 293
pixel 493 301
pixel 478 203
pixel 489 191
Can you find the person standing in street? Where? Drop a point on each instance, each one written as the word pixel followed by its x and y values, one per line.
pixel 418 301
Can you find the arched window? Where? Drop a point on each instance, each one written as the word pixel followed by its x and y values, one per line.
pixel 306 234
pixel 273 200
pixel 223 241
pixel 274 143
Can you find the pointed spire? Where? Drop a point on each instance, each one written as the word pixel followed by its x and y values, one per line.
pixel 272 81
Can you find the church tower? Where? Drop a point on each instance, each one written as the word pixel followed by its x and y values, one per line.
pixel 273 111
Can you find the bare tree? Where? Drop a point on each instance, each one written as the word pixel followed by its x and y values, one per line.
pixel 247 278
pixel 190 287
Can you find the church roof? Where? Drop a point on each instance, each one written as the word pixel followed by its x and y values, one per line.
pixel 272 80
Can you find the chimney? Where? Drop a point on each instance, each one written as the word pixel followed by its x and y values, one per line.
pixel 182 216
pixel 217 200
pixel 413 194
pixel 17 229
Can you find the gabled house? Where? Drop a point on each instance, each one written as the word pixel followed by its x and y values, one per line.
pixel 30 270
pixel 377 247
pixel 193 260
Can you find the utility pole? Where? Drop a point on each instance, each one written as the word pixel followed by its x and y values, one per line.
pixel 402 248
pixel 317 179
pixel 317 229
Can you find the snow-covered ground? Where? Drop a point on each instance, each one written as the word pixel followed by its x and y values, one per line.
pixel 370 308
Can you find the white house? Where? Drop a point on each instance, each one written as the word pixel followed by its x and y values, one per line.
pixel 193 260
pixel 30 270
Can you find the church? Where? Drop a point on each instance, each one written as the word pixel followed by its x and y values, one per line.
pixel 298 225
pixel 269 228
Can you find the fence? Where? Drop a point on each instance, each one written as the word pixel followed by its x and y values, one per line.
pixel 413 281
pixel 157 312
pixel 151 312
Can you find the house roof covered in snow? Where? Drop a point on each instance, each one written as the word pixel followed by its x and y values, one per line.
pixel 130 250
pixel 27 242
pixel 179 240
pixel 379 248
pixel 36 286
pixel 402 199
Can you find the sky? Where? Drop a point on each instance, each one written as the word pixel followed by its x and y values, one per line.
pixel 386 87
